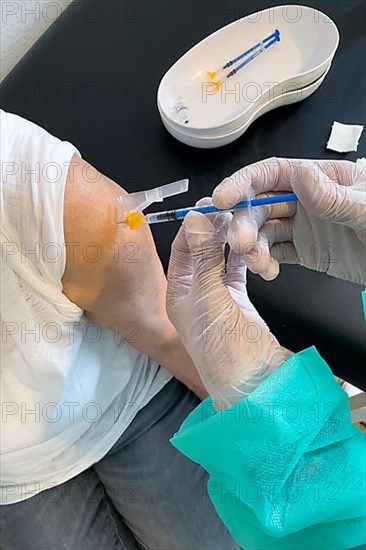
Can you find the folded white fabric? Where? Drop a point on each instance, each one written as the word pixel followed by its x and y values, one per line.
pixel 344 137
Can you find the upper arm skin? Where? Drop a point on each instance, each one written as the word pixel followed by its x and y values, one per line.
pixel 112 272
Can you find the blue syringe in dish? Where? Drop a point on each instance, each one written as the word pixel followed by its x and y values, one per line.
pixel 180 213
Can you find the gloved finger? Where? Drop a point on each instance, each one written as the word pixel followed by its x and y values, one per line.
pixel 328 200
pixel 180 269
pixel 285 253
pixel 220 220
pixel 245 225
pixel 204 244
pixel 181 261
pixel 261 261
pixel 208 258
pixel 236 281
pixel 236 271
pixel 358 172
pixel 266 175
pixel 345 172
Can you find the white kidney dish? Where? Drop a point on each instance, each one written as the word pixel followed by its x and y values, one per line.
pixel 292 68
pixel 210 142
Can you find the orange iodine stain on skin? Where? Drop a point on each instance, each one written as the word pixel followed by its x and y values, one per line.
pixel 134 220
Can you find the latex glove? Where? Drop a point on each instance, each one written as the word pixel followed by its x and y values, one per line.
pixel 230 344
pixel 325 230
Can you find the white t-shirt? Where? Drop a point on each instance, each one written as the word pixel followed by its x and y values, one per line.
pixel 68 388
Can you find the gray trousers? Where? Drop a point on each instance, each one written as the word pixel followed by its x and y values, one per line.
pixel 142 495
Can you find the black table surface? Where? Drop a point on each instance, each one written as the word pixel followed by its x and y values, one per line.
pixel 92 79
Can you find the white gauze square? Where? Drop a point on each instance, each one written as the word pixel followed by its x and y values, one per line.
pixel 344 137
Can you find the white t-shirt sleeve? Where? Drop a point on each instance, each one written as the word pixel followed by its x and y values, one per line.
pixel 34 168
pixel 49 359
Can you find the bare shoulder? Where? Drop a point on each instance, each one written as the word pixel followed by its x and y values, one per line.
pixel 101 254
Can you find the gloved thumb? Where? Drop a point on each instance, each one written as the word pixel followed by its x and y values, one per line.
pixel 206 249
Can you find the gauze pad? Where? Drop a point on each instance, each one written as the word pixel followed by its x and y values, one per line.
pixel 344 137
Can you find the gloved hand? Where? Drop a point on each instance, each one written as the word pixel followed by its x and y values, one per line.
pixel 325 230
pixel 231 346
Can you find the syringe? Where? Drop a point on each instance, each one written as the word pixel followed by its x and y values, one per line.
pixel 180 213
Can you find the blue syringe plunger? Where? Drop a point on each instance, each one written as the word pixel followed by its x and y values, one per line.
pixel 180 213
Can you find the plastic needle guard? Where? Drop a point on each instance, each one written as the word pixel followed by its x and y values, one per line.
pixel 132 205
